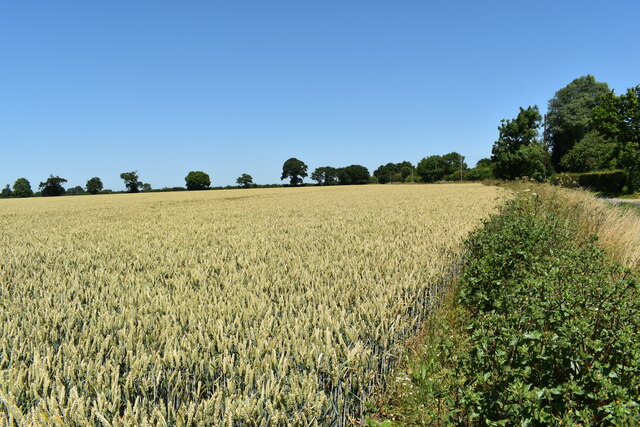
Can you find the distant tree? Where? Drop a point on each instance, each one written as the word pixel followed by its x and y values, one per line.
pixel 486 162
pixel 517 152
pixel 295 170
pixel 325 175
pixel 479 173
pixel 453 163
pixel 76 190
pixel 146 187
pixel 94 185
pixel 52 186
pixel 569 113
pixel 245 180
pixel 22 188
pixel 353 175
pixel 618 118
pixel 591 153
pixel 6 192
pixel 394 172
pixel 131 181
pixel 432 168
pixel 197 180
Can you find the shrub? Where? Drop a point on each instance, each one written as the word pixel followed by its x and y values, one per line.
pixel 604 181
pixel 554 324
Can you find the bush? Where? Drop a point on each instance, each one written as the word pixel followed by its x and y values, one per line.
pixel 604 181
pixel 553 324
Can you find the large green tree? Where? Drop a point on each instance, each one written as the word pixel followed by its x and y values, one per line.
pixel 22 188
pixel 436 168
pixel 325 175
pixel 245 180
pixel 131 181
pixel 569 113
pixel 618 118
pixel 394 172
pixel 197 180
pixel 353 175
pixel 517 152
pixel 454 164
pixel 295 170
pixel 432 168
pixel 593 152
pixel 53 186
pixel 94 185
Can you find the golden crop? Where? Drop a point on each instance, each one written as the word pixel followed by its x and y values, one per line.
pixel 279 306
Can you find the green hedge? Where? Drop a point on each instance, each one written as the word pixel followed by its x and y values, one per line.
pixel 604 181
pixel 554 325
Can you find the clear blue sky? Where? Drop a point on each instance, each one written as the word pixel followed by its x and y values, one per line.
pixel 95 88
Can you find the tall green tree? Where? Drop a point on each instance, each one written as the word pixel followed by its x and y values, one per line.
pixel 593 152
pixel 353 175
pixel 325 175
pixel 94 185
pixel 131 181
pixel 454 164
pixel 197 180
pixel 569 113
pixel 295 170
pixel 22 188
pixel 52 186
pixel 394 172
pixel 432 168
pixel 618 118
pixel 245 180
pixel 517 152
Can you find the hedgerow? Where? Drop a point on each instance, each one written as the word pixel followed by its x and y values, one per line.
pixel 553 324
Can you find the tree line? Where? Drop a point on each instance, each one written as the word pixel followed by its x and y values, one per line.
pixel 587 128
pixel 430 169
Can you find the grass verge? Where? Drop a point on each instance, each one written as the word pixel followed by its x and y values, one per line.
pixel 542 326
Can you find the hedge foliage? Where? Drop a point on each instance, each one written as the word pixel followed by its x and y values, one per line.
pixel 554 324
pixel 604 181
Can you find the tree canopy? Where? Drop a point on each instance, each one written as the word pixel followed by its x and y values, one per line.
pixel 6 192
pixel 394 172
pixel 245 180
pixel 94 185
pixel 353 175
pixel 197 180
pixel 517 152
pixel 325 175
pixel 618 118
pixel 593 152
pixel 569 113
pixel 436 168
pixel 52 186
pixel 131 181
pixel 295 170
pixel 22 188
pixel 76 190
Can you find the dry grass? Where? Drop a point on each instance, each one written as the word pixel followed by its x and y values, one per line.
pixel 247 306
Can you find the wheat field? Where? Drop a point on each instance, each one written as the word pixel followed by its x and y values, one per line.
pixel 239 307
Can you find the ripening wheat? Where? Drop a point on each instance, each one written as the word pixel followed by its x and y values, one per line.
pixel 280 306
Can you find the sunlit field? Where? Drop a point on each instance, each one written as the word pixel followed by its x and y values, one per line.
pixel 255 306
